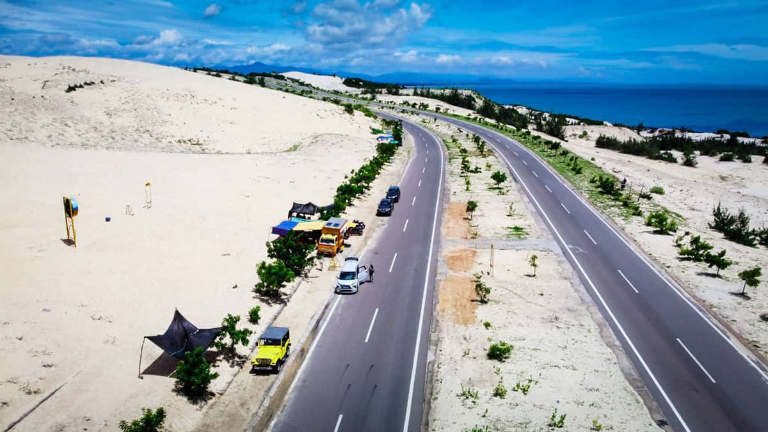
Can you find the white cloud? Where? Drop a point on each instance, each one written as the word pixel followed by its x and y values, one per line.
pixel 212 10
pixel 447 59
pixel 411 56
pixel 267 50
pixel 347 24
pixel 168 37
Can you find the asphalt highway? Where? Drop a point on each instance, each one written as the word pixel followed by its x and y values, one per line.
pixel 701 376
pixel 366 369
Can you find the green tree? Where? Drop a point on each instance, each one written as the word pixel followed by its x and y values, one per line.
pixel 750 277
pixel 150 421
pixel 499 177
pixel 292 252
pixel 272 278
pixel 718 260
pixel 254 315
pixel 193 375
pixel 697 249
pixel 471 207
pixel 229 330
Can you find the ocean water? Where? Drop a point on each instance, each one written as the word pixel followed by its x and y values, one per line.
pixel 703 109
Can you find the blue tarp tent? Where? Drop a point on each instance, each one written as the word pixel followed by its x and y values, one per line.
pixel 284 227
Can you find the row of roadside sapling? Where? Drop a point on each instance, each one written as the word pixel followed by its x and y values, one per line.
pixel 291 258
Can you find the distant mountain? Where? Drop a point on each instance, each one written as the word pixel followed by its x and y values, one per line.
pixel 404 78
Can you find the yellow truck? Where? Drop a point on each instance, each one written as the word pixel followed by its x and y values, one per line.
pixel 274 349
pixel 331 239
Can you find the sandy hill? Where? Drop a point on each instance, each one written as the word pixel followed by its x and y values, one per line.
pixel 77 317
pixel 141 106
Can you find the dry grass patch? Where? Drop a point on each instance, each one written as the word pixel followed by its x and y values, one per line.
pixel 456 224
pixel 460 260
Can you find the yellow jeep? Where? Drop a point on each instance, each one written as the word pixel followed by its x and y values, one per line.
pixel 274 349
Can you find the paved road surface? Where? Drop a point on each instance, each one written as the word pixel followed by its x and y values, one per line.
pixel 701 376
pixel 366 370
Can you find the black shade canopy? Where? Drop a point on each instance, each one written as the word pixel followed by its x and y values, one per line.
pixel 183 336
pixel 308 209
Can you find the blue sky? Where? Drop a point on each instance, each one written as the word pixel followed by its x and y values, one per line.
pixel 607 41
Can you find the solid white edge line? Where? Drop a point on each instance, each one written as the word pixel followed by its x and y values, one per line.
pixel 371 326
pixel 413 202
pixel 338 423
pixel 590 237
pixel 697 362
pixel 550 190
pixel 426 286
pixel 599 296
pixel 628 282
pixel 406 225
pixel 534 173
pixel 566 208
pixel 406 169
pixel 393 262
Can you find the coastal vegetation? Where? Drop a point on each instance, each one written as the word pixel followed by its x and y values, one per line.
pixel 150 421
pixel 659 147
pixel 371 87
pixel 193 375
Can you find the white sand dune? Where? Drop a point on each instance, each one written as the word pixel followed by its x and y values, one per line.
pixel 78 316
pixel 325 82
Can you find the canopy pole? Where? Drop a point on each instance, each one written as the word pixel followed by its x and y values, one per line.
pixel 141 354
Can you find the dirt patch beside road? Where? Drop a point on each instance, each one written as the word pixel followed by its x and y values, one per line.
pixel 456 224
pixel 457 295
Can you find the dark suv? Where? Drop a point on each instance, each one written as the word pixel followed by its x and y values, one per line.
pixel 386 206
pixel 394 193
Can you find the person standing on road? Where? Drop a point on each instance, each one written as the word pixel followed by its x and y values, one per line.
pixel 370 273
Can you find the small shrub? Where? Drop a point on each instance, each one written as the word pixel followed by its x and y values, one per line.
pixel 467 183
pixel 483 291
pixel 254 315
pixel 471 207
pixel 469 393
pixel 645 195
pixel 658 190
pixel 523 388
pixel 606 184
pixel 229 330
pixel 500 391
pixel 661 221
pixel 690 160
pixel 500 351
pixel 150 421
pixel 727 157
pixel 193 375
pixel 499 177
pixel 532 261
pixel 487 324
pixel 556 422
pixel 596 425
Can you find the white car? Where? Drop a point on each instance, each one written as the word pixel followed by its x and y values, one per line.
pixel 351 276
